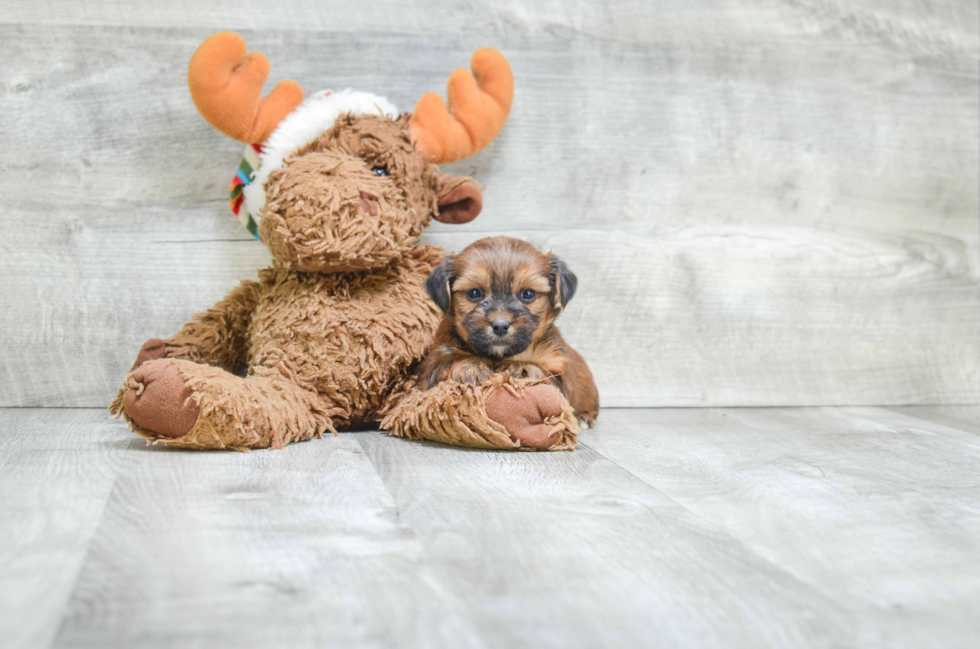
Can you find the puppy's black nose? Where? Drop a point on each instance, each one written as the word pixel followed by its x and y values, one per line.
pixel 500 326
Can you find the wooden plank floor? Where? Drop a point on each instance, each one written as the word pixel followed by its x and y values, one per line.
pixel 674 527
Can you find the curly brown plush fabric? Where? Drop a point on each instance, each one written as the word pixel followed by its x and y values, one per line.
pixel 322 351
pixel 326 337
pixel 320 340
pixel 501 413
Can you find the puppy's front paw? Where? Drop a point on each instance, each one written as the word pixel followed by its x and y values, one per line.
pixel 524 371
pixel 524 415
pixel 472 371
pixel 159 401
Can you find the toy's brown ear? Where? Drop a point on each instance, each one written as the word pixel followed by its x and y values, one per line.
pixel 459 200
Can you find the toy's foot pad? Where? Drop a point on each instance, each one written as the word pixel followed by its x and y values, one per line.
pixel 161 403
pixel 524 415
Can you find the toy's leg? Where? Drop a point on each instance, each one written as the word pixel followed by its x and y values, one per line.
pixel 180 403
pixel 502 413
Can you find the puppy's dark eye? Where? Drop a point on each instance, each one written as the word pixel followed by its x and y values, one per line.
pixel 528 295
pixel 379 171
pixel 474 294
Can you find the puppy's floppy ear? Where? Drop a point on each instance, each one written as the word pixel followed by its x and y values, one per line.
pixel 458 199
pixel 564 280
pixel 437 284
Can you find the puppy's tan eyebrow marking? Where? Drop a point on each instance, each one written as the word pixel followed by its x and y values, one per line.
pixel 531 278
pixel 478 277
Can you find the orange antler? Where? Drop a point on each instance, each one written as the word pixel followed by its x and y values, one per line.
pixel 226 85
pixel 477 109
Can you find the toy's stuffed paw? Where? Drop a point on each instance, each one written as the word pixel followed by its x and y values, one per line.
pixel 152 349
pixel 524 415
pixel 159 401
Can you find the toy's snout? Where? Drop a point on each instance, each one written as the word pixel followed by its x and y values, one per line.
pixel 329 211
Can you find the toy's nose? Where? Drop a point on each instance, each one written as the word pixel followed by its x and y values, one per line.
pixel 369 203
pixel 500 326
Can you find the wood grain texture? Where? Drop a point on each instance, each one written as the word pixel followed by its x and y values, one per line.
pixel 775 203
pixel 297 549
pixel 876 508
pixel 965 418
pixel 57 468
pixel 927 25
pixel 668 527
pixel 573 550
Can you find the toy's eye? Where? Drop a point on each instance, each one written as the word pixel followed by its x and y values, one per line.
pixel 475 294
pixel 379 171
pixel 528 295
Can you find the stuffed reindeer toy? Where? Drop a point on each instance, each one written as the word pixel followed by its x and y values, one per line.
pixel 339 186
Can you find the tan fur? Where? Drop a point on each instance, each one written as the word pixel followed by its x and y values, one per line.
pixel 315 221
pixel 551 358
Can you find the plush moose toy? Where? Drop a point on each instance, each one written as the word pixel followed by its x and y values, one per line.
pixel 339 186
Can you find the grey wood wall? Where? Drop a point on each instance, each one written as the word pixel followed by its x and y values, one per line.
pixel 768 202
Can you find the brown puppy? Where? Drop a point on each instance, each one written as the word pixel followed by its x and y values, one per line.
pixel 500 297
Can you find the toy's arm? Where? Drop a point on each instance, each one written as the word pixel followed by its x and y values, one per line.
pixel 216 337
pixel 502 412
